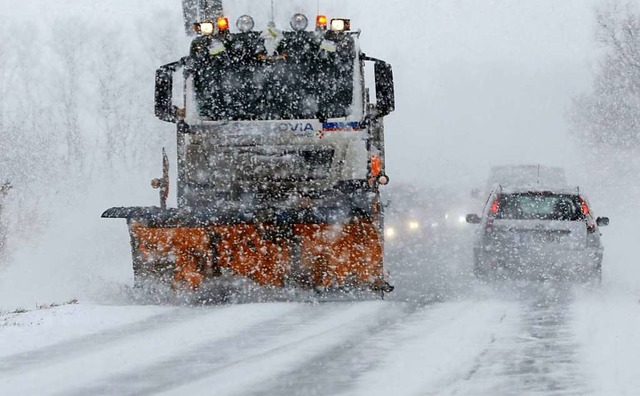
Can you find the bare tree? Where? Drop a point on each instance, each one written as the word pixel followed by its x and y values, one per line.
pixel 4 190
pixel 69 41
pixel 110 67
pixel 607 119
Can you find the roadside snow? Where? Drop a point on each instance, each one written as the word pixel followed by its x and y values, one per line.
pixel 607 324
pixel 62 368
pixel 20 332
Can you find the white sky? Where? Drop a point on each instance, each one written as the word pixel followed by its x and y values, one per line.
pixel 487 82
pixel 478 82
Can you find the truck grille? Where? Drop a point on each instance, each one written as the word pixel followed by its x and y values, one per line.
pixel 264 166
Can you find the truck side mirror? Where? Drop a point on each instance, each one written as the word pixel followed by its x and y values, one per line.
pixel 165 110
pixel 473 219
pixel 602 221
pixel 385 94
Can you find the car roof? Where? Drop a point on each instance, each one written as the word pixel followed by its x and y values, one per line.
pixel 538 189
pixel 514 175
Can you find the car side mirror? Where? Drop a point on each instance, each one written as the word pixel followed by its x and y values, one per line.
pixel 473 219
pixel 602 221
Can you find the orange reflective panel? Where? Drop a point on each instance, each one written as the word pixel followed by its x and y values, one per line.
pixel 376 165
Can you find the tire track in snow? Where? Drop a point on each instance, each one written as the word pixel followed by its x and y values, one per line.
pixel 433 349
pixel 539 357
pixel 250 375
pixel 335 370
pixel 212 356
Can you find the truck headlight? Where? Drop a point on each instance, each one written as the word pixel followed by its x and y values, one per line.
pixel 245 23
pixel 205 28
pixel 299 22
pixel 340 25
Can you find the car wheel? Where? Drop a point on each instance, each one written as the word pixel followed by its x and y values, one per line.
pixel 479 268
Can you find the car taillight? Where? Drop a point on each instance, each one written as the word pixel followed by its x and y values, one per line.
pixel 495 205
pixel 584 207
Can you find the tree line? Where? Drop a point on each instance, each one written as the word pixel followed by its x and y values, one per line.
pixel 76 104
pixel 606 120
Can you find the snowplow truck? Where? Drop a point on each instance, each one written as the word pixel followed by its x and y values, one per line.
pixel 280 157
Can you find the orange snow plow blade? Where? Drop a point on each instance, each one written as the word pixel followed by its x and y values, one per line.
pixel 309 255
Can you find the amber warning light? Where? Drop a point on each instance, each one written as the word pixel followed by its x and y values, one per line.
pixel 223 24
pixel 321 22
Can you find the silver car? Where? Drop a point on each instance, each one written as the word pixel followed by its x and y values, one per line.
pixel 538 232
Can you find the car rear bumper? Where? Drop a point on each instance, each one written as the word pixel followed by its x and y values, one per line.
pixel 540 262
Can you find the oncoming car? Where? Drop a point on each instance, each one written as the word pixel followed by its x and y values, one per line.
pixel 404 227
pixel 406 220
pixel 538 232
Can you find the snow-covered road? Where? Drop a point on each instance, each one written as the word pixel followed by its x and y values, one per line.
pixel 507 339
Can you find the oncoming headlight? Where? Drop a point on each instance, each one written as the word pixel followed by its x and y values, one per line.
pixel 390 232
pixel 414 225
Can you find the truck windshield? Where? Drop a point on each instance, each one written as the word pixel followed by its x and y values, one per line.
pixel 302 80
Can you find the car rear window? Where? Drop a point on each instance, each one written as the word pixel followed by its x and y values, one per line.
pixel 539 206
